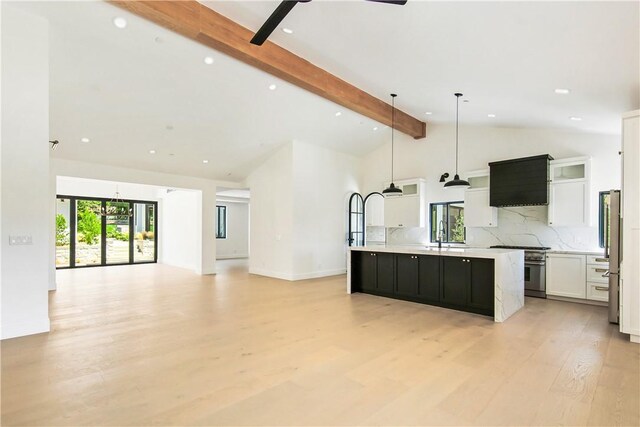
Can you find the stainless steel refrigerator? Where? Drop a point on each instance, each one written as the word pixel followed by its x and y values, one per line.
pixel 613 251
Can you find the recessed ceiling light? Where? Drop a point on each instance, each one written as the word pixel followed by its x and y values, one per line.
pixel 208 60
pixel 84 139
pixel 428 113
pixel 287 30
pixel 575 119
pixel 120 22
pixel 562 91
pixel 375 128
pixel 338 114
pixel 152 151
pixel 491 115
pixel 205 161
pixel 272 87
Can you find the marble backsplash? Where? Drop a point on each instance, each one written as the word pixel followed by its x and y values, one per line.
pixel 375 234
pixel 525 226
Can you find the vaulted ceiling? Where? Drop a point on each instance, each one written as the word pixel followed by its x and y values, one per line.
pixel 144 88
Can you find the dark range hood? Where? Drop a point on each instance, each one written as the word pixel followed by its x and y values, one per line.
pixel 520 182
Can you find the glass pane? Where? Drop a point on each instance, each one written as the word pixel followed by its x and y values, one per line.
pixel 409 189
pixel 437 215
pixel 117 232
pixel 88 232
pixel 144 232
pixel 479 182
pixel 456 222
pixel 569 172
pixel 63 231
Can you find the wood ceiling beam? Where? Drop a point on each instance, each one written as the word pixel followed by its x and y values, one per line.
pixel 210 28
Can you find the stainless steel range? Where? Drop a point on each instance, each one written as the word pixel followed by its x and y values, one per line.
pixel 535 260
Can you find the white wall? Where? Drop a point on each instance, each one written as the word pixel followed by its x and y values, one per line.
pixel 323 182
pixel 271 222
pixel 73 186
pixel 205 260
pixel 179 219
pixel 431 157
pixel 26 199
pixel 299 201
pixel 236 244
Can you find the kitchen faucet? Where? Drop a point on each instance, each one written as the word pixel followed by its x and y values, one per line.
pixel 441 231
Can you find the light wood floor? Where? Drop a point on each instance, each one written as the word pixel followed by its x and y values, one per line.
pixel 156 345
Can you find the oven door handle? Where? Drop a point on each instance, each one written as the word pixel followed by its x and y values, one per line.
pixel 539 263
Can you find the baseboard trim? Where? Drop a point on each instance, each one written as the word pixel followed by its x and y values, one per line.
pixel 318 274
pixel 299 276
pixel 25 327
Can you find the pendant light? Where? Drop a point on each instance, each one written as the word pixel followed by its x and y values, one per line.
pixel 115 207
pixel 456 181
pixel 392 189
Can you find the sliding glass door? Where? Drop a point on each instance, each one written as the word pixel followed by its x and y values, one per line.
pixel 118 235
pixel 63 233
pixel 88 233
pixel 144 222
pixel 95 232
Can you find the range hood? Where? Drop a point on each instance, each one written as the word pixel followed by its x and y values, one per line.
pixel 520 182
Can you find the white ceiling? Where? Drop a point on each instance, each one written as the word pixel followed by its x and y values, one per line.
pixel 123 88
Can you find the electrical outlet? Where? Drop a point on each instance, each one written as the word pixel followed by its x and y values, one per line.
pixel 20 240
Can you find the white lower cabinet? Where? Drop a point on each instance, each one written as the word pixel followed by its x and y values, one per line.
pixel 566 275
pixel 597 292
pixel 577 276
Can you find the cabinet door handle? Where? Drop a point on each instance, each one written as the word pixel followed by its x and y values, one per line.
pixel 602 260
pixel 601 288
pixel 601 270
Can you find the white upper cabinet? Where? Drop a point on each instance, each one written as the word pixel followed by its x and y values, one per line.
pixel 408 209
pixel 374 211
pixel 477 211
pixel 569 192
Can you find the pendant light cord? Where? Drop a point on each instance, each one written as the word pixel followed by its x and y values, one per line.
pixel 458 95
pixel 393 119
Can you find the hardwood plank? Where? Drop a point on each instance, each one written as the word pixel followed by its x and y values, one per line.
pixel 157 345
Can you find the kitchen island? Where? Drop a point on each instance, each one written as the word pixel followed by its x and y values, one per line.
pixel 482 281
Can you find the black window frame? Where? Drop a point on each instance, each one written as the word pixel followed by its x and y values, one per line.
pixel 601 216
pixel 221 234
pixel 432 238
pixel 103 231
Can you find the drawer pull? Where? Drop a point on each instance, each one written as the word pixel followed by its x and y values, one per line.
pixel 601 288
pixel 601 270
pixel 602 259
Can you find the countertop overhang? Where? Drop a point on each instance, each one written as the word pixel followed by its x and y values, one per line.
pixel 430 250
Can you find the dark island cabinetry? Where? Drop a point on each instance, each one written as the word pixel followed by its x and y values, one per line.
pixel 375 272
pixel 460 283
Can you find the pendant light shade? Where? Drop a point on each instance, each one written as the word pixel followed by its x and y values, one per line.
pixel 392 189
pixel 456 182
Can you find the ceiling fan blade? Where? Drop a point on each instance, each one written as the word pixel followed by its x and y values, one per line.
pixel 274 20
pixel 398 2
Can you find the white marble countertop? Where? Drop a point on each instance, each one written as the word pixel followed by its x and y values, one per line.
pixel 577 252
pixel 433 250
